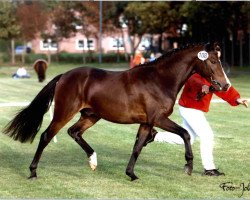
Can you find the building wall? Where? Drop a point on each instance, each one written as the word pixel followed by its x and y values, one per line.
pixel 73 44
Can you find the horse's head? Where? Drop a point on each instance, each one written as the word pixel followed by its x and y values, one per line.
pixel 208 65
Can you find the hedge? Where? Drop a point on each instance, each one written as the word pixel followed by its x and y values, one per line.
pixel 76 58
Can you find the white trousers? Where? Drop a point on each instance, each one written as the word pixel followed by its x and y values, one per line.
pixel 194 121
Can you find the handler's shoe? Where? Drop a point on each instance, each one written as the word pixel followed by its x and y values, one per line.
pixel 213 172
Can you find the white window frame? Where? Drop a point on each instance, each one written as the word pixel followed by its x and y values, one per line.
pixel 85 47
pixel 113 43
pixel 45 46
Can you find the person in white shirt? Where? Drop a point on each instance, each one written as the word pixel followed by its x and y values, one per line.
pixel 21 73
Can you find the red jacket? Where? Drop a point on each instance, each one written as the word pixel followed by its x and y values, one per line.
pixel 194 85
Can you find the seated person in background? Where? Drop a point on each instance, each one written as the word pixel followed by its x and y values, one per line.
pixel 21 73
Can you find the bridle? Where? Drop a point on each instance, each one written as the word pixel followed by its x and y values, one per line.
pixel 213 81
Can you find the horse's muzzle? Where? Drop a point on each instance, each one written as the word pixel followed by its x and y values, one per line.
pixel 218 87
pixel 226 87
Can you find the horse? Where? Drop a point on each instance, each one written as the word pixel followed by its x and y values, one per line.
pixel 144 95
pixel 40 67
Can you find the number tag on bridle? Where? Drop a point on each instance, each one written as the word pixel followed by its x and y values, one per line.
pixel 203 55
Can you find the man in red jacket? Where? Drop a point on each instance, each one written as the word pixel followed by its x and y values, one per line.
pixel 192 110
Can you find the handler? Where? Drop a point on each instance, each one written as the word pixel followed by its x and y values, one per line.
pixel 192 108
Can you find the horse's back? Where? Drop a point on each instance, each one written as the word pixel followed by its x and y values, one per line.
pixel 91 81
pixel 107 93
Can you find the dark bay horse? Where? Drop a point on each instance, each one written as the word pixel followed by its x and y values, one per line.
pixel 145 95
pixel 40 67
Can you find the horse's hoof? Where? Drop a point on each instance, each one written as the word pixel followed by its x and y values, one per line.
pixel 132 176
pixel 32 177
pixel 188 169
pixel 93 161
pixel 93 167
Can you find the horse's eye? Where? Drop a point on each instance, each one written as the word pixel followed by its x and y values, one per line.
pixel 213 61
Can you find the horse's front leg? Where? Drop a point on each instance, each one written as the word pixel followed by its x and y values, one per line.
pixel 168 125
pixel 143 132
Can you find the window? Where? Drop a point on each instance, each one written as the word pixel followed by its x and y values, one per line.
pixel 80 44
pixel 90 44
pixel 48 45
pixel 117 43
pixel 84 44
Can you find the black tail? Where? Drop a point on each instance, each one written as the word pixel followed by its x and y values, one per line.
pixel 28 121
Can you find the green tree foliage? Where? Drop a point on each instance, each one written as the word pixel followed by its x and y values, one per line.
pixel 151 17
pixel 115 11
pixel 63 17
pixel 9 29
pixel 158 17
pixel 211 20
pixel 136 28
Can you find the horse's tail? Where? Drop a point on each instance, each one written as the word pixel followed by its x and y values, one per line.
pixel 28 121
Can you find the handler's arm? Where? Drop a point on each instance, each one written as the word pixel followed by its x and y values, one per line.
pixel 232 97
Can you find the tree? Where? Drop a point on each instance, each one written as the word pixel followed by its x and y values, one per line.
pixel 87 14
pixel 9 29
pixel 209 21
pixel 62 23
pixel 32 18
pixel 88 20
pixel 225 22
pixel 34 22
pixel 136 28
pixel 114 15
pixel 150 17
pixel 159 18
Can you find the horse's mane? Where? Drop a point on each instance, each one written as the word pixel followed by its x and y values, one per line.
pixel 170 53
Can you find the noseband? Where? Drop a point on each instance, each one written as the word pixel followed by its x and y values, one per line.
pixel 214 82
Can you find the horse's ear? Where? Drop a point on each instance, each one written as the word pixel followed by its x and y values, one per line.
pixel 212 46
pixel 217 46
pixel 208 47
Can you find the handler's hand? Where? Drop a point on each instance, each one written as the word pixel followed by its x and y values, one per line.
pixel 205 89
pixel 242 102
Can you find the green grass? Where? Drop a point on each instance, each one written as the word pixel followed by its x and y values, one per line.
pixel 64 172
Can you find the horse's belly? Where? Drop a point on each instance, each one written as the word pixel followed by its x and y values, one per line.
pixel 119 113
pixel 125 119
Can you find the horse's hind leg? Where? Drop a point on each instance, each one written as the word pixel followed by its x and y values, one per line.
pixel 76 131
pixel 168 125
pixel 46 137
pixel 141 138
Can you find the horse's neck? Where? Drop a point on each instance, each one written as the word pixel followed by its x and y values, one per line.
pixel 178 70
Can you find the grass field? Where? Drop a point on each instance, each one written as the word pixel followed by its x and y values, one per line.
pixel 64 172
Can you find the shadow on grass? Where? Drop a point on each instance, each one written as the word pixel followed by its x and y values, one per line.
pixel 71 160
